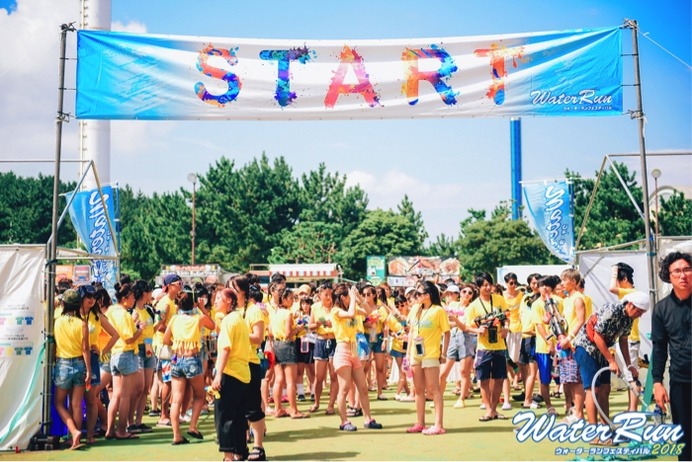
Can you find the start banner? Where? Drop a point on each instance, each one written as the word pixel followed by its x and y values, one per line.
pixel 156 77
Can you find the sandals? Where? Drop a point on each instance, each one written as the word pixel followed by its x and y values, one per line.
pixel 300 415
pixel 281 413
pixel 434 430
pixel 500 417
pixel 353 412
pixel 485 418
pixel 314 408
pixel 348 427
pixel 257 453
pixel 183 441
pixel 417 428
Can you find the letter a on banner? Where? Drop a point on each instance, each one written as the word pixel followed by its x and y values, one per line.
pixel 551 208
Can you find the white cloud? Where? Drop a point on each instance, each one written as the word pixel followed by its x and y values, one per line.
pixel 135 27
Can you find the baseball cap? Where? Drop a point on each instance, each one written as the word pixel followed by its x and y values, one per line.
pixel 170 279
pixel 71 297
pixel 86 289
pixel 638 299
pixel 409 290
pixel 452 288
pixel 304 289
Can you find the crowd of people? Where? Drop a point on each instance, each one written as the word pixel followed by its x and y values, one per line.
pixel 178 350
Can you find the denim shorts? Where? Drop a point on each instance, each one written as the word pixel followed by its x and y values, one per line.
pixel 396 354
pixel 105 364
pixel 124 363
pixel 456 345
pixel 69 373
pixel 527 353
pixel 588 367
pixel 95 369
pixel 144 361
pixel 378 346
pixel 324 349
pixel 187 367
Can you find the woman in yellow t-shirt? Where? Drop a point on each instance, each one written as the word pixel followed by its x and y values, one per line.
pixel 284 329
pixel 429 325
pixel 184 332
pixel 97 323
pixel 71 363
pixel 349 369
pixel 143 313
pixel 232 381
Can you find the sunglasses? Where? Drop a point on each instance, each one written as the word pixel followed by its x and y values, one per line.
pixel 467 292
pixel 512 283
pixel 420 294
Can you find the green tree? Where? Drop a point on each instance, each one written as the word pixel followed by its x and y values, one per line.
pixel 26 210
pixel 443 246
pixel 485 245
pixel 613 219
pixel 382 232
pixel 405 209
pixel 675 216
pixel 325 198
pixel 241 212
pixel 308 242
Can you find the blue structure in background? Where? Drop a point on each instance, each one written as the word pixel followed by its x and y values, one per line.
pixel 515 149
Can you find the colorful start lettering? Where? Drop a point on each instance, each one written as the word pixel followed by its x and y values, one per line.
pixel 349 58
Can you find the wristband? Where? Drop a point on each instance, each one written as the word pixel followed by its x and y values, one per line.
pixel 631 366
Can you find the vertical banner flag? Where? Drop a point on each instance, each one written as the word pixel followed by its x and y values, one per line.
pixel 550 206
pixel 91 223
pixel 158 77
pixel 21 344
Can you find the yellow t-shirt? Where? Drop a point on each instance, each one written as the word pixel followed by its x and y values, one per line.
pixel 634 334
pixel 167 309
pixel 95 330
pixel 344 328
pixel 235 337
pixel 513 305
pixel 68 337
pixel 431 325
pixel 397 332
pixel 319 313
pixel 570 313
pixel 528 328
pixel 144 316
pixel 123 323
pixel 480 308
pixel 253 316
pixel 186 331
pixel 278 323
pixel 538 310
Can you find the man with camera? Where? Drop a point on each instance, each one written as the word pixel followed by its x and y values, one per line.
pixel 487 314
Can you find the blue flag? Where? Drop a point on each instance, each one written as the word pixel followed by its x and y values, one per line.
pixel 91 223
pixel 551 208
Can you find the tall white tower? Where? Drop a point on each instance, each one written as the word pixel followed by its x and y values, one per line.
pixel 95 135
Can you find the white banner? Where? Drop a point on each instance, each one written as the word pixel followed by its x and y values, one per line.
pixel 156 77
pixel 21 344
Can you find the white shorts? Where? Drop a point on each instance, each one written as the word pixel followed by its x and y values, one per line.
pixel 513 346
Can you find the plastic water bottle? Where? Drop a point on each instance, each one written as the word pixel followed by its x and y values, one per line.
pixel 658 415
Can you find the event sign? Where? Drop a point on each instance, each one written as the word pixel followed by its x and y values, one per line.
pixel 91 223
pixel 375 269
pixel 21 343
pixel 416 268
pixel 551 208
pixel 157 77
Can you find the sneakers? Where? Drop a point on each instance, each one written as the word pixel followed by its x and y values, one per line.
pixel 373 425
pixel 434 430
pixel 301 398
pixel 482 406
pixel 352 412
pixel 506 407
pixel 519 397
pixel 407 399
pixel 460 404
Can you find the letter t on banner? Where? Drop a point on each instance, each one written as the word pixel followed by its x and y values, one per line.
pixel 550 206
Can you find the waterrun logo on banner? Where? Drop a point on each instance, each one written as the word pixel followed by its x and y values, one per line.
pixel 585 100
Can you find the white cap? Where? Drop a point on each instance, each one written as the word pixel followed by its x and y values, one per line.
pixel 409 290
pixel 638 299
pixel 452 288
pixel 155 293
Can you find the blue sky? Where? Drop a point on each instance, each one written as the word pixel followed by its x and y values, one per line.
pixel 458 164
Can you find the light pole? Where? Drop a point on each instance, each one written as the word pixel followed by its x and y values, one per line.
pixel 656 173
pixel 193 179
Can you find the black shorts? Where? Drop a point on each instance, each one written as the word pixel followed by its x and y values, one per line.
pixel 305 358
pixel 527 353
pixel 491 364
pixel 285 352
